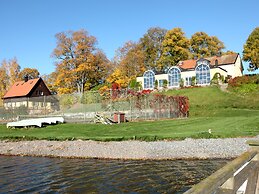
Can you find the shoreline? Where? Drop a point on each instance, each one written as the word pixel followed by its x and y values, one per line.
pixel 129 150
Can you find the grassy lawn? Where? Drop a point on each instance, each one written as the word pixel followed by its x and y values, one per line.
pixel 212 102
pixel 232 126
pixel 226 114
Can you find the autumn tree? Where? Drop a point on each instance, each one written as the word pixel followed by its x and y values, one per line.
pixel 129 62
pixel 151 44
pixel 4 81
pixel 175 48
pixel 101 68
pixel 78 61
pixel 50 80
pixel 32 73
pixel 12 69
pixel 9 70
pixel 251 50
pixel 228 52
pixel 203 45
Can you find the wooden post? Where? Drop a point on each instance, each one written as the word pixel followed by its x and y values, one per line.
pixel 227 187
pixel 253 179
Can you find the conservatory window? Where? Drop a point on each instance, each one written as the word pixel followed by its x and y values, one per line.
pixel 203 74
pixel 149 80
pixel 174 77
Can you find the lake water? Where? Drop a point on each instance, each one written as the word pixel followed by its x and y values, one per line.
pixel 59 175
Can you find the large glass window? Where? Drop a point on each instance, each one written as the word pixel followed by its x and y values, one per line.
pixel 174 77
pixel 149 80
pixel 203 74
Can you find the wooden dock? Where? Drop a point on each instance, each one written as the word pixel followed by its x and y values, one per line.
pixel 238 176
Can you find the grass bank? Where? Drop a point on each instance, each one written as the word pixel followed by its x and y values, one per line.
pixel 246 123
pixel 212 102
pixel 225 114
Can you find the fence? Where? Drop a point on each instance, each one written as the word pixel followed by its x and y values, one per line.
pixel 83 108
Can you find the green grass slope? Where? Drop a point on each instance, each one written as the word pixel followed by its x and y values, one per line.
pixel 211 102
pixel 225 114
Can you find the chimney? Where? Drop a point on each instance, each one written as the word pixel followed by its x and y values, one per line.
pixel 26 78
pixel 216 62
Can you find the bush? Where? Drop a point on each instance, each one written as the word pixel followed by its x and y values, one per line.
pixel 217 78
pixel 244 84
pixel 165 83
pixel 134 84
pixel 193 81
pixel 90 97
pixel 67 100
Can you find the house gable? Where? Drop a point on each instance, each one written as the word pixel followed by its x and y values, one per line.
pixel 40 89
pixel 30 88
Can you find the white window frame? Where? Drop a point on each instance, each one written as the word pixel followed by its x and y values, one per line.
pixel 174 77
pixel 149 80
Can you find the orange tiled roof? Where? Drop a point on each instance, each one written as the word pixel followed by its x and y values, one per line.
pixel 187 64
pixel 21 88
pixel 222 60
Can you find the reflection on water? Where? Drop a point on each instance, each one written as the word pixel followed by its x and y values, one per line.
pixel 50 175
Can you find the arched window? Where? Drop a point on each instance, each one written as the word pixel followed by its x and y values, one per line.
pixel 174 77
pixel 203 74
pixel 149 80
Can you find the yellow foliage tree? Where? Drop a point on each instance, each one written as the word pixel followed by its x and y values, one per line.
pixel 175 47
pixel 32 73
pixel 129 62
pixel 12 69
pixel 80 65
pixel 118 77
pixel 4 81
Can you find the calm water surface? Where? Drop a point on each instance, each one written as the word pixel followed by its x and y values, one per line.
pixel 55 175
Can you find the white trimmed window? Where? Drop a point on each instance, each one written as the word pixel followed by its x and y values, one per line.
pixel 203 74
pixel 174 77
pixel 149 80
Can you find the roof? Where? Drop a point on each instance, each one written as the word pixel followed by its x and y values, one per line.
pixel 21 88
pixel 222 60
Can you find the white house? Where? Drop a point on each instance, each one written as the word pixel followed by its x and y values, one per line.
pixel 203 70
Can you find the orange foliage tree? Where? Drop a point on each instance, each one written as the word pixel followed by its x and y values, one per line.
pixel 32 73
pixel 4 81
pixel 129 63
pixel 9 71
pixel 12 69
pixel 80 65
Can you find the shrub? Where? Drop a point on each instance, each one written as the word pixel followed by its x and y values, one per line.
pixel 244 84
pixel 90 97
pixel 217 78
pixel 156 84
pixel 193 81
pixel 165 83
pixel 181 83
pixel 67 100
pixel 134 84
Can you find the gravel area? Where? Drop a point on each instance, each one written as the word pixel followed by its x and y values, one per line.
pixel 186 149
